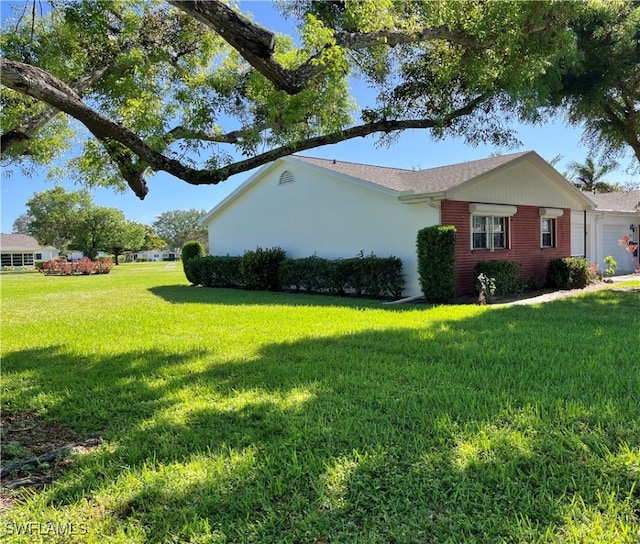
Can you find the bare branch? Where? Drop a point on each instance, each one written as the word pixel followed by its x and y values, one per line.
pixel 255 43
pixel 384 126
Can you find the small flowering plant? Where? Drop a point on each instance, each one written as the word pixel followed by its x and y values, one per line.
pixel 486 289
pixel 632 247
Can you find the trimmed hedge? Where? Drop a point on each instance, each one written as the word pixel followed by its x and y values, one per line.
pixel 437 261
pixel 568 273
pixel 269 269
pixel 507 275
pixel 375 276
pixel 214 271
pixel 312 274
pixel 367 276
pixel 260 269
pixel 191 250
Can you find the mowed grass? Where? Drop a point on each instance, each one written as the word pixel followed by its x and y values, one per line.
pixel 232 416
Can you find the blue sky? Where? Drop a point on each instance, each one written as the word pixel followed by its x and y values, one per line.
pixel 414 149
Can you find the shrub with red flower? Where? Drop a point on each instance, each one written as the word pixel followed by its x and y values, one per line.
pixel 103 265
pixel 78 267
pixel 631 246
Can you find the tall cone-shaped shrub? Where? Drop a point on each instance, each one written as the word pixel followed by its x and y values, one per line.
pixel 437 262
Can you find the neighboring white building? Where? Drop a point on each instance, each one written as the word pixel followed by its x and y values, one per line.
pixel 615 216
pixel 22 251
pixel 155 255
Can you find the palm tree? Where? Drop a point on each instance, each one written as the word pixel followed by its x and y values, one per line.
pixel 588 177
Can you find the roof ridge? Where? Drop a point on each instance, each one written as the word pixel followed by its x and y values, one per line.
pixel 336 161
pixel 428 180
pixel 509 156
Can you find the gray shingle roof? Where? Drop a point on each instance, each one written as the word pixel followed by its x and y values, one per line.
pixel 431 180
pixel 618 201
pixel 18 242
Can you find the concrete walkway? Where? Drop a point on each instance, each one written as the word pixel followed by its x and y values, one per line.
pixel 554 295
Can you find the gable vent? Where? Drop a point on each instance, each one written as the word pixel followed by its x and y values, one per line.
pixel 286 177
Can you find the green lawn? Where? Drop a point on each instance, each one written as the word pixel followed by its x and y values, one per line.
pixel 232 416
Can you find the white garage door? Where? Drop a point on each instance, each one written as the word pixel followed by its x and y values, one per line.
pixel 611 235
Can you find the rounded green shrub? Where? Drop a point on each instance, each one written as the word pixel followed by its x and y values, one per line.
pixel 192 250
pixel 507 275
pixel 568 273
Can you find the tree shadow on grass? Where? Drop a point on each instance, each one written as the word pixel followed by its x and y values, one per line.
pixel 513 425
pixel 90 393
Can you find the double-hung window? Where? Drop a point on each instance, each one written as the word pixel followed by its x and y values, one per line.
pixel 548 231
pixel 490 226
pixel 549 226
pixel 489 232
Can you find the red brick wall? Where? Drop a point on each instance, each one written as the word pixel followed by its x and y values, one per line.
pixel 525 242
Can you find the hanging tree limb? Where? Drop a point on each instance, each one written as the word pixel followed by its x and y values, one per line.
pixel 468 84
pixel 124 146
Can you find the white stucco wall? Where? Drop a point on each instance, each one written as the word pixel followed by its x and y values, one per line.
pixel 320 214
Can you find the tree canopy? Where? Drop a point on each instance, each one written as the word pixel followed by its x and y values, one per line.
pixel 177 227
pixel 198 90
pixel 589 177
pixel 71 221
pixel 53 216
pixel 101 228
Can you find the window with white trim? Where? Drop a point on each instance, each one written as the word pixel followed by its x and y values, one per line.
pixel 548 232
pixel 548 226
pixel 490 225
pixel 489 232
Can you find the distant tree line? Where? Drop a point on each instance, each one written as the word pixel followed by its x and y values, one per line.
pixel 71 221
